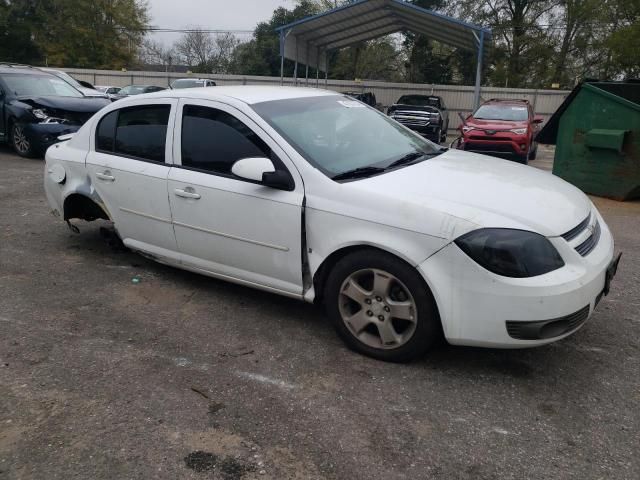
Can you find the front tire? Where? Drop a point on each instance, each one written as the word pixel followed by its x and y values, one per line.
pixel 381 307
pixel 20 142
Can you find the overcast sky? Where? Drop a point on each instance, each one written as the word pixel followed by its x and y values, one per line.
pixel 211 14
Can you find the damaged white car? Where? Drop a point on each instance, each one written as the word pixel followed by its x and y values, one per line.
pixel 314 195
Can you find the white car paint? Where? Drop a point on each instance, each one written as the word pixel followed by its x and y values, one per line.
pixel 413 212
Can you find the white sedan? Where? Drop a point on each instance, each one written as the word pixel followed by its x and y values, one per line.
pixel 313 195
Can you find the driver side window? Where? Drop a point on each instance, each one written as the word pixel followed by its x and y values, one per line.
pixel 213 140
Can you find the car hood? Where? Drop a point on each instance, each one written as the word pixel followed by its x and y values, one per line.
pixel 495 124
pixel 70 104
pixel 474 191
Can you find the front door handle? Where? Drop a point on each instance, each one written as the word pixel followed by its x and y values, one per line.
pixel 106 176
pixel 188 192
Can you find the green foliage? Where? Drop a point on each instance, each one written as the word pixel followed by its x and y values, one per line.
pixel 261 55
pixel 79 33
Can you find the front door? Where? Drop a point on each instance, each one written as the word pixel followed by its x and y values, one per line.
pixel 129 165
pixel 225 225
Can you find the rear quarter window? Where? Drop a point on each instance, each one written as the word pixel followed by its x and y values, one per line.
pixel 139 132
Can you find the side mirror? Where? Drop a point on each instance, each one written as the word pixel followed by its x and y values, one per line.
pixel 253 168
pixel 463 119
pixel 538 119
pixel 261 169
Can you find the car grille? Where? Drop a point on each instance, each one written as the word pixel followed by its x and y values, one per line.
pixel 577 230
pixel 502 147
pixel 543 329
pixel 76 118
pixel 590 243
pixel 586 246
pixel 416 119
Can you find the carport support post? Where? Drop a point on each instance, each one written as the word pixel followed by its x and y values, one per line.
pixel 281 57
pixel 476 92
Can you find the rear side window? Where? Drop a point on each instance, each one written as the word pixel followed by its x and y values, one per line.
pixel 138 132
pixel 106 132
pixel 213 140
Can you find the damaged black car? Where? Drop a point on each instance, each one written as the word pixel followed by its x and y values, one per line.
pixel 36 108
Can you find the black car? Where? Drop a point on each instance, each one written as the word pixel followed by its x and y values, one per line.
pixel 425 114
pixel 37 107
pixel 365 97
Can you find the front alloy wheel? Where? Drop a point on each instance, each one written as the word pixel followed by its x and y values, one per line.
pixel 381 306
pixel 21 143
pixel 377 308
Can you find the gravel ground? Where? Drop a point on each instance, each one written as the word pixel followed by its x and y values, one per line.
pixel 182 376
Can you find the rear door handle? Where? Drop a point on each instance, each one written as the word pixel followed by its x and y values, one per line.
pixel 188 192
pixel 106 176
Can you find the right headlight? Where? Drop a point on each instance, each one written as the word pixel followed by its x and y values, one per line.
pixel 511 253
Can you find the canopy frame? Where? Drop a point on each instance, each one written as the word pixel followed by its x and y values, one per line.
pixel 309 41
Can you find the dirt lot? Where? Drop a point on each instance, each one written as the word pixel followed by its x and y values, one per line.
pixel 181 376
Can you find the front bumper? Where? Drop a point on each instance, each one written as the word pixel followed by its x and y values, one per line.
pixel 43 135
pixel 500 144
pixel 480 308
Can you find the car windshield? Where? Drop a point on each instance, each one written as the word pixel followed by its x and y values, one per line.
pixel 133 90
pixel 67 78
pixel 337 134
pixel 39 85
pixel 513 113
pixel 419 101
pixel 187 83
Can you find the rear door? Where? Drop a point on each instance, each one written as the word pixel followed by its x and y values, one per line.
pixel 226 225
pixel 129 163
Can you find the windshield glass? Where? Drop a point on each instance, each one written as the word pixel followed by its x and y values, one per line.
pixel 133 90
pixel 337 134
pixel 419 101
pixel 39 85
pixel 68 78
pixel 513 113
pixel 187 83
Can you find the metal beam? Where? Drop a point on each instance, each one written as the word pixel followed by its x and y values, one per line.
pixel 417 25
pixel 360 40
pixel 476 92
pixel 320 33
pixel 351 35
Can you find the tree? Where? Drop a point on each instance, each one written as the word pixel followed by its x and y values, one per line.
pixel 152 52
pixel 94 34
pixel 196 48
pixel 622 43
pixel 17 21
pixel 261 55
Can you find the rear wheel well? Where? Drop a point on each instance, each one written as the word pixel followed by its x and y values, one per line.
pixel 322 273
pixel 79 206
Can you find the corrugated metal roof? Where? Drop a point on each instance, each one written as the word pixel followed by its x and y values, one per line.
pixel 308 40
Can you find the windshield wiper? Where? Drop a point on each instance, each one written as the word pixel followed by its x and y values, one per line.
pixel 358 172
pixel 413 157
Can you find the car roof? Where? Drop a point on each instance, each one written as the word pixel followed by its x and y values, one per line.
pixel 8 68
pixel 500 101
pixel 249 94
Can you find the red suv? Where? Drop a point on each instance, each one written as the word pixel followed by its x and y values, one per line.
pixel 502 127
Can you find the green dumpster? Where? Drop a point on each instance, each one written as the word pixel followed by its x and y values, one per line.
pixel 597 136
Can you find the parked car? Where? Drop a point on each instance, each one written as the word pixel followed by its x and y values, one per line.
pixel 37 107
pixel 368 98
pixel 136 90
pixel 192 83
pixel 426 114
pixel 109 90
pixel 85 88
pixel 502 127
pixel 308 194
